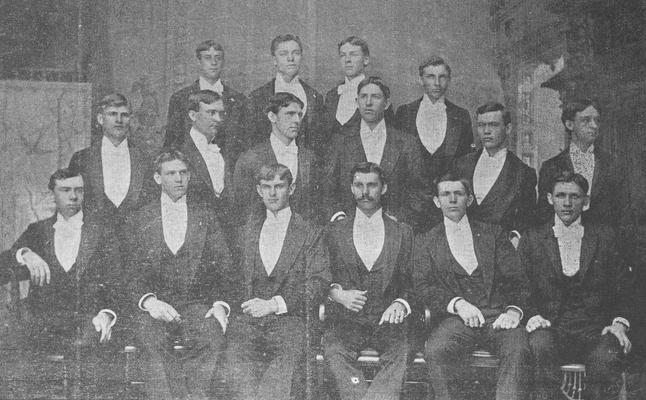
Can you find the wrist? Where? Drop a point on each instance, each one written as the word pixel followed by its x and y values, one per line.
pixel 275 306
pixel 149 302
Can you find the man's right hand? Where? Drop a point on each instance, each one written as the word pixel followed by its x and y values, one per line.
pixel 352 299
pixel 470 314
pixel 161 311
pixel 38 268
pixel 537 322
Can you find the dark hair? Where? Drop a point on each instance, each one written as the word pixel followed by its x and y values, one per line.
pixel 269 171
pixel 207 44
pixel 569 176
pixel 356 41
pixel 113 100
pixel 59 175
pixel 452 177
pixel 493 106
pixel 282 100
pixel 368 167
pixel 203 96
pixel 433 60
pixel 377 81
pixel 282 39
pixel 169 154
pixel 574 106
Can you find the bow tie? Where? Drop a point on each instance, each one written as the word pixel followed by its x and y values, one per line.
pixel 574 232
pixel 64 226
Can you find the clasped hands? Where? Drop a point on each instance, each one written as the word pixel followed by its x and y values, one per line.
pixel 473 318
pixel 162 311
pixel 354 300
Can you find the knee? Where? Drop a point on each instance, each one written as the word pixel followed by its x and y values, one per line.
pixel 516 345
pixel 605 357
pixel 541 343
pixel 436 349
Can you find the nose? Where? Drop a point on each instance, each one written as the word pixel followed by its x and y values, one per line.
pixel 453 198
pixel 290 57
pixel 567 201
pixel 436 81
pixel 217 117
pixel 272 192
pixel 73 195
pixel 118 118
pixel 594 124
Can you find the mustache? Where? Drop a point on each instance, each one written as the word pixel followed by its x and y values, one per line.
pixel 365 197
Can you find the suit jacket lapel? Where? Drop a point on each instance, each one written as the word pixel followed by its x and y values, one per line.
pixel 195 238
pixel 388 256
pixel 96 170
pixel 392 149
pixel 452 138
pixel 552 249
pixel 294 241
pixel 588 246
pixel 89 241
pixel 199 166
pixel 251 237
pixel 483 245
pixel 349 252
pixel 136 176
pixel 355 146
pixel 504 181
pixel 48 246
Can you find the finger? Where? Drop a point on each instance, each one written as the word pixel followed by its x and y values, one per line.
pixel 605 330
pixel 104 333
pixel 383 318
pixel 392 318
pixel 95 322
pixel 361 298
pixel 108 335
pixel 245 304
pixel 530 328
pixel 628 346
pixel 47 273
pixel 547 323
pixel 481 318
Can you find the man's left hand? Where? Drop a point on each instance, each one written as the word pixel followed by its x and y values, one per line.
pixel 220 313
pixel 101 324
pixel 507 320
pixel 259 308
pixel 619 330
pixel 394 314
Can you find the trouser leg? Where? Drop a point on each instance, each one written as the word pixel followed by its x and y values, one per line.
pixel 542 343
pixel 392 342
pixel 512 348
pixel 341 344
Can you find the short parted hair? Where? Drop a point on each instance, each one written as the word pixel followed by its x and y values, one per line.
pixel 205 45
pixel 282 39
pixel 170 154
pixel 113 100
pixel 203 96
pixel 282 100
pixel 368 167
pixel 569 176
pixel 574 106
pixel 452 177
pixel 377 81
pixel 355 41
pixel 493 106
pixel 59 175
pixel 433 60
pixel 270 171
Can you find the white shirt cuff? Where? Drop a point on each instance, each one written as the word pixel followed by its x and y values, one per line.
pixel 337 215
pixel 517 309
pixel 112 314
pixel 406 305
pixel 515 233
pixel 451 307
pixel 282 306
pixel 223 304
pixel 621 320
pixel 19 254
pixel 143 298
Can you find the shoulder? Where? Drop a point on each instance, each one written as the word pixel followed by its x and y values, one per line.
pixel 517 163
pixel 308 89
pixel 233 94
pixel 602 230
pixel 332 94
pixel 552 162
pixel 483 228
pixel 263 91
pixel 185 91
pixel 455 109
pixel 84 153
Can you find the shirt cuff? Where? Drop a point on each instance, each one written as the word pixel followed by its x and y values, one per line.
pixel 19 254
pixel 517 309
pixel 282 306
pixel 515 233
pixel 223 304
pixel 110 313
pixel 337 215
pixel 451 307
pixel 143 298
pixel 406 305
pixel 622 321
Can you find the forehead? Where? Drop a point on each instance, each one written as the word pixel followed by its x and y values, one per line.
pixel 289 45
pixel 216 105
pixel 450 186
pixel 113 109
pixel 291 107
pixel 567 187
pixel 350 48
pixel 75 181
pixel 173 165
pixel 492 116
pixel 435 70
pixel 273 182
pixel 362 177
pixel 212 52
pixel 588 112
pixel 371 88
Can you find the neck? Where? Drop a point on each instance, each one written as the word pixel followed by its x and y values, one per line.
pixel 455 219
pixel 372 125
pixel 432 99
pixel 493 152
pixel 581 145
pixel 287 78
pixel 348 77
pixel 283 139
pixel 369 212
pixel 173 198
pixel 210 80
pixel 67 216
pixel 206 135
pixel 116 141
pixel 275 213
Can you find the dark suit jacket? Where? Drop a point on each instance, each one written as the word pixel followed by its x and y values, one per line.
pixel 313 131
pixel 435 281
pixel 304 201
pixel 511 201
pixel 178 123
pixel 605 277
pixel 400 161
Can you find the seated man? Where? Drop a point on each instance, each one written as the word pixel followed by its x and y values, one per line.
pixel 179 270
pixel 285 269
pixel 369 291
pixel 579 298
pixel 470 276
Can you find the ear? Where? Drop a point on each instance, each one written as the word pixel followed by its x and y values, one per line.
pixel 386 104
pixel 274 60
pixel 469 200
pixel 272 117
pixel 157 178
pixel 586 200
pixel 366 61
pixel 569 125
pixel 258 190
pixel 549 199
pixel 508 129
pixel 292 187
pixel 192 115
pixel 384 189
pixel 99 119
pixel 436 200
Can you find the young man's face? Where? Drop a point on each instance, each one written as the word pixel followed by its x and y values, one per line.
pixel 372 103
pixel 568 200
pixel 585 127
pixel 209 118
pixel 352 59
pixel 492 131
pixel 287 121
pixel 435 79
pixel 275 193
pixel 173 177
pixel 211 63
pixel 68 196
pixel 115 122
pixel 367 190
pixel 287 58
pixel 452 199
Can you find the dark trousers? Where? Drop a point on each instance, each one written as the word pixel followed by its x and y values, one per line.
pixel 342 344
pixel 452 340
pixel 262 354
pixel 602 356
pixel 170 373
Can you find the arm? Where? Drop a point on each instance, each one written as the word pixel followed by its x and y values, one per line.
pixel 514 284
pixel 176 119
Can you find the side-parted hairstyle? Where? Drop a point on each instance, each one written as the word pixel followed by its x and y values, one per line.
pixel 574 106
pixel 569 176
pixel 282 39
pixel 59 175
pixel 203 96
pixel 452 177
pixel 170 154
pixel 270 171
pixel 282 100
pixel 377 81
pixel 368 167
pixel 493 106
pixel 434 61
pixel 113 100
pixel 355 41
pixel 205 45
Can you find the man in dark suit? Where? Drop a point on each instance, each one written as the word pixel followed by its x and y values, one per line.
pixel 580 298
pixel 470 276
pixel 287 51
pixel 443 128
pixel 375 141
pixel 371 265
pixel 284 111
pixel 210 56
pixel 504 186
pixel 117 174
pixel 179 272
pixel 285 271
pixel 584 156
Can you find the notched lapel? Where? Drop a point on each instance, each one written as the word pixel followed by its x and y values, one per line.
pixel 136 177
pixel 251 237
pixel 292 246
pixel 552 248
pixel 483 245
pixel 588 247
pixel 89 241
pixel 392 149
pixel 195 238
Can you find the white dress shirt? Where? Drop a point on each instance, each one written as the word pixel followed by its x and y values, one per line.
pixel 368 236
pixel 212 158
pixel 348 98
pixel 217 87
pixel 486 172
pixel 460 240
pixel 67 239
pixel 294 87
pixel 286 155
pixel 174 221
pixel 373 140
pixel 431 123
pixel 115 164
pixel 583 163
pixel 270 245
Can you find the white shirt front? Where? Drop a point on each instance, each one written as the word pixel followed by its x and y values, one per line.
pixel 569 239
pixel 368 235
pixel 115 164
pixel 460 240
pixel 294 87
pixel 217 87
pixel 431 123
pixel 373 141
pixel 174 221
pixel 486 172
pixel 348 98
pixel 67 239
pixel 272 236
pixel 213 159
pixel 286 155
pixel 583 163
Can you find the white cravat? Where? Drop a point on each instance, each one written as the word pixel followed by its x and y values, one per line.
pixel 569 239
pixel 294 87
pixel 368 235
pixel 583 163
pixel 217 87
pixel 286 155
pixel 272 236
pixel 348 98
pixel 460 240
pixel 212 158
pixel 373 141
pixel 431 123
pixel 174 221
pixel 67 239
pixel 486 172
pixel 115 164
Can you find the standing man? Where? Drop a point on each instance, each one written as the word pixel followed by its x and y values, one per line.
pixel 580 298
pixel 369 291
pixel 179 272
pixel 210 56
pixel 470 276
pixel 286 51
pixel 285 269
